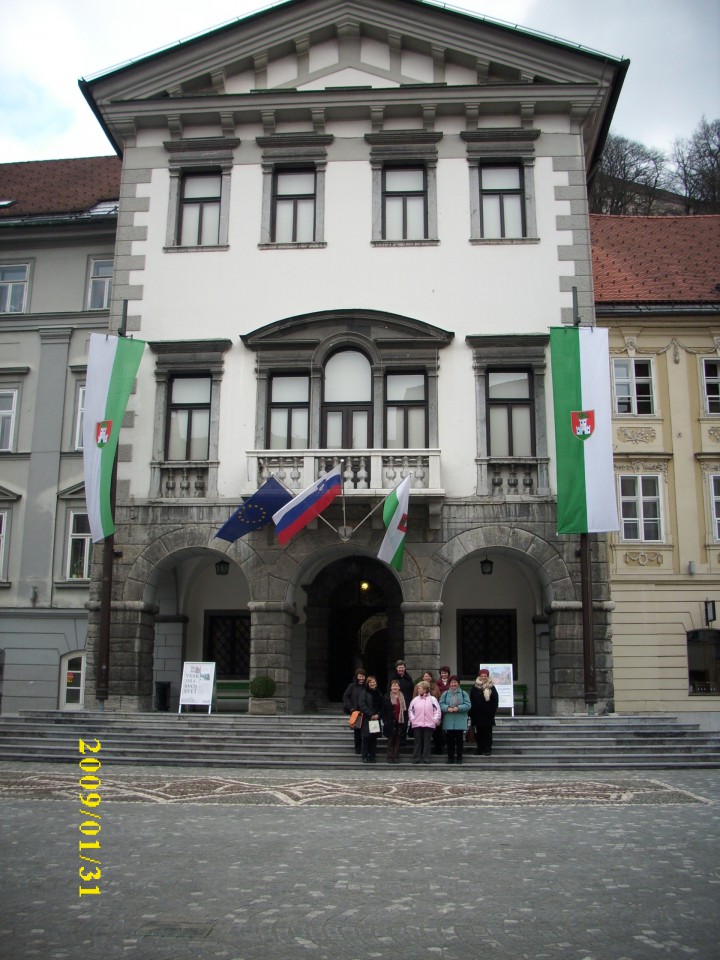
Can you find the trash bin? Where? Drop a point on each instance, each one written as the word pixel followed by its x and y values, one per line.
pixel 162 695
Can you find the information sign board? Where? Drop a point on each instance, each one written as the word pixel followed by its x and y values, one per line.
pixel 501 675
pixel 198 682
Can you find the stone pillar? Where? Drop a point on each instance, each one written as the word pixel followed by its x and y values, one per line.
pixel 132 641
pixel 422 636
pixel 270 627
pixel 567 675
pixel 316 671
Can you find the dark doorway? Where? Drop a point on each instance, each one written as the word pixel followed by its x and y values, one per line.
pixel 485 636
pixel 364 626
pixel 227 643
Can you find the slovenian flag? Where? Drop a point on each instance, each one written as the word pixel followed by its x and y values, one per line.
pixel 586 501
pixel 395 518
pixel 307 505
pixel 112 367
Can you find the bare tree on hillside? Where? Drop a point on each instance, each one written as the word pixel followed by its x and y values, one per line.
pixel 629 179
pixel 696 160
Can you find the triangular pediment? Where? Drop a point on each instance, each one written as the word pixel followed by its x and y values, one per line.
pixel 316 44
pixel 7 495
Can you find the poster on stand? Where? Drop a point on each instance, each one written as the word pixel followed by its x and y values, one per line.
pixel 501 675
pixel 198 682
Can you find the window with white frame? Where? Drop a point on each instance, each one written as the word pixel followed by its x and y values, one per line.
pixel 405 203
pixel 79 417
pixel 13 287
pixel 347 408
pixel 502 202
pixel 289 412
pixel 510 413
pixel 188 424
pixel 404 186
pixel 715 501
pixel 100 286
pixel 79 551
pixel 294 206
pixel 633 386
pixel 406 420
pixel 640 507
pixel 199 221
pixel 711 384
pixel 8 407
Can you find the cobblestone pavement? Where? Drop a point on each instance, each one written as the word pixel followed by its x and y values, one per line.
pixel 374 864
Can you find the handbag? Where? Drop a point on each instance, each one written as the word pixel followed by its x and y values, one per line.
pixel 470 735
pixel 373 726
pixel 355 719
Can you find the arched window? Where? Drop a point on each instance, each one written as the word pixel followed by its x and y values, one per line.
pixel 347 402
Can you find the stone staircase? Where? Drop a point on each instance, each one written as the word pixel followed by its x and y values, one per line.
pixel 323 742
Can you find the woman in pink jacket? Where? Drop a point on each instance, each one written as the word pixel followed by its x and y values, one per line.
pixel 425 715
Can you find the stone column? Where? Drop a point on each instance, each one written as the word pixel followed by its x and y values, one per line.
pixel 132 641
pixel 422 636
pixel 316 671
pixel 567 675
pixel 270 625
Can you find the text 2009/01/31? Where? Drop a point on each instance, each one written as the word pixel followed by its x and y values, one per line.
pixel 90 800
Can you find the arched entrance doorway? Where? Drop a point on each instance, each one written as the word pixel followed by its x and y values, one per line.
pixel 353 620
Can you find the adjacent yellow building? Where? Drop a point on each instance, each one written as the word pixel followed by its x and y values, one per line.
pixel 657 289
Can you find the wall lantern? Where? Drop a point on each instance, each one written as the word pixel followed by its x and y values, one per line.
pixel 222 568
pixel 486 567
pixel 709 612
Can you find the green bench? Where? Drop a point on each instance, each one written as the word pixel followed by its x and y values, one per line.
pixel 231 695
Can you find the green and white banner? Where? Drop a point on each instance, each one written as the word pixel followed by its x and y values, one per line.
pixel 586 499
pixel 395 517
pixel 112 367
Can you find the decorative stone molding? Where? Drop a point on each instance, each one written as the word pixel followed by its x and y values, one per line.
pixel 637 434
pixel 714 434
pixel 642 558
pixel 636 465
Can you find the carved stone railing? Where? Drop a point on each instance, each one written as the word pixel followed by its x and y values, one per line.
pixel 362 470
pixel 513 477
pixel 189 480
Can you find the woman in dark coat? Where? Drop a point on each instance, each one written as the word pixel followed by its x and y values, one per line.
pixel 483 707
pixel 351 702
pixel 394 719
pixel 371 704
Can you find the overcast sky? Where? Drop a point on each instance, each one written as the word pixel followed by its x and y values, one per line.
pixel 47 45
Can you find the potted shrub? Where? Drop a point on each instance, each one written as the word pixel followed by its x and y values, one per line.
pixel 262 696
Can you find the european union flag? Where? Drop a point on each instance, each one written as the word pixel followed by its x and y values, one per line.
pixel 256 511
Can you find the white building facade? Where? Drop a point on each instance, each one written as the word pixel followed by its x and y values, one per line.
pixel 345 229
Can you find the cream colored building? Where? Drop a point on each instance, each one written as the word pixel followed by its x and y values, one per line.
pixel 656 289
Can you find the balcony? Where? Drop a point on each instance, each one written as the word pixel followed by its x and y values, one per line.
pixel 368 472
pixel 513 477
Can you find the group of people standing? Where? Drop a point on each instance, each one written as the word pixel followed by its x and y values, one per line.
pixel 433 713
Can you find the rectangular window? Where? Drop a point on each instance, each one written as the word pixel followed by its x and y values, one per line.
pixel 703 654
pixel 510 413
pixel 501 202
pixel 80 418
pixel 8 406
pixel 79 547
pixel 289 413
pixel 711 383
pixel 632 387
pixel 200 210
pixel 188 430
pixel 13 287
pixel 294 194
pixel 640 507
pixel 100 284
pixel 405 411
pixel 715 495
pixel 405 203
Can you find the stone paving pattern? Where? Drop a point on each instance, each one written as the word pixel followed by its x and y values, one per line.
pixel 378 864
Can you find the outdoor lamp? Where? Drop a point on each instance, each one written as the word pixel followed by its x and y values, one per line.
pixel 486 567
pixel 222 567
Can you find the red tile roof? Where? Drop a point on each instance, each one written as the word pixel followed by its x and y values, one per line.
pixel 58 186
pixel 655 259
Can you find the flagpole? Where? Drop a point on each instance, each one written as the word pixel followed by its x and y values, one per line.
pixel 102 666
pixel 587 624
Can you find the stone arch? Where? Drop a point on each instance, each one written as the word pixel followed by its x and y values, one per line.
pixel 516 543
